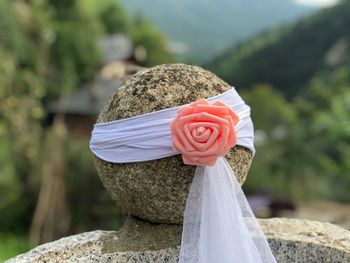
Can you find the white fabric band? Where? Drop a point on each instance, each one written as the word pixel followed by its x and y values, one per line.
pixel 219 225
pixel 148 137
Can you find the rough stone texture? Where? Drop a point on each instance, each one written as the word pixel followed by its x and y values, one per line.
pixel 291 240
pixel 156 190
pixel 294 240
pixel 90 247
pixel 139 235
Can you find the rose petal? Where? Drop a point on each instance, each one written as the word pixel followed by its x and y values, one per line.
pixel 194 125
pixel 202 132
pixel 212 150
pixel 207 125
pixel 177 145
pixel 206 161
pixel 213 136
pixel 230 111
pixel 215 110
pixel 199 135
pixel 185 110
pixel 198 145
pixel 212 118
pixel 201 117
pixel 222 142
pixel 200 102
pixel 179 134
pixel 189 108
pixel 232 138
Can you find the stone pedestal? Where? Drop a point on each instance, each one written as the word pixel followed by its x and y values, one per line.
pixel 291 240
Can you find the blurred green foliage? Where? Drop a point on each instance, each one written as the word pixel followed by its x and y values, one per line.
pixel 300 105
pixel 92 204
pixel 12 245
pixel 296 80
pixel 144 34
pixel 48 48
pixel 289 56
pixel 303 145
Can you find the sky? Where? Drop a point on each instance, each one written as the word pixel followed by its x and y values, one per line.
pixel 320 3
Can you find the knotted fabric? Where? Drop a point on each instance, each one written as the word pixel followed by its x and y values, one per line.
pixel 219 225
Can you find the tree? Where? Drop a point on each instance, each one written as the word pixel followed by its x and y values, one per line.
pixel 324 112
pixel 23 56
pixel 48 48
pixel 302 146
pixel 145 35
pixel 275 121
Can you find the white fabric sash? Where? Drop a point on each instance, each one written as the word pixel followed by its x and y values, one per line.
pixel 219 225
pixel 148 137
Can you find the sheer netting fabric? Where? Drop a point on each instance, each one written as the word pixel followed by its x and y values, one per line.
pixel 219 225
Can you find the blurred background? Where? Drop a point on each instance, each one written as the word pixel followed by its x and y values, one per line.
pixel 60 60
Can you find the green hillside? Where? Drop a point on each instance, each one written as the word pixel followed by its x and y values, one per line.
pixel 288 57
pixel 209 27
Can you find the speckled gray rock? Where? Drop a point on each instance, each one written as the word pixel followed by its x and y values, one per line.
pixel 291 240
pixel 156 190
pixel 294 240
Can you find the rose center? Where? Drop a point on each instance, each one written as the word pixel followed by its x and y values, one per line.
pixel 201 134
pixel 200 130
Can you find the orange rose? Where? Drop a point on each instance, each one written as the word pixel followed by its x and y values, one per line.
pixel 203 132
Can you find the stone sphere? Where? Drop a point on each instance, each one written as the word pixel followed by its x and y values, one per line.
pixel 156 190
